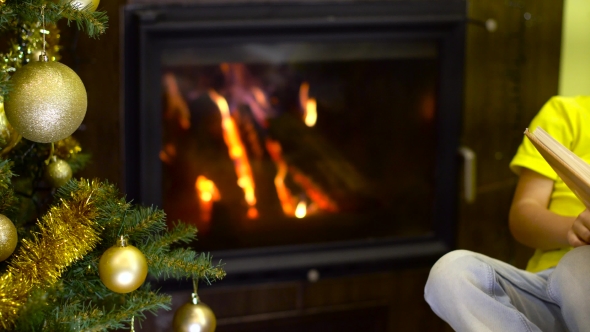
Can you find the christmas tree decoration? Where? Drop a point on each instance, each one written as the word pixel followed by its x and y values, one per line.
pixel 58 172
pixel 47 102
pixel 67 148
pixel 8 136
pixel 194 316
pixel 8 237
pixel 122 268
pixel 65 235
pixel 89 5
pixel 49 272
pixel 31 45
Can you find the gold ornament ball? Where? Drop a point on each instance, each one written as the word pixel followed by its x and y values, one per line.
pixel 81 4
pixel 8 135
pixel 8 237
pixel 194 317
pixel 58 172
pixel 122 268
pixel 47 101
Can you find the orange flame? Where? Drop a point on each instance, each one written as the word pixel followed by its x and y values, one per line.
pixel 303 94
pixel 283 193
pixel 319 199
pixel 237 153
pixel 311 113
pixel 168 153
pixel 301 210
pixel 309 105
pixel 207 193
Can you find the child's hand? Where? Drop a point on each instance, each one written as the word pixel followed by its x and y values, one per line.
pixel 579 233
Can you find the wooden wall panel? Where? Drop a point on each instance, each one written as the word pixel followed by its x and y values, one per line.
pixel 510 74
pixel 97 63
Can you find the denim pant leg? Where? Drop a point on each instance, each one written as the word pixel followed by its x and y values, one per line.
pixel 473 292
pixel 569 286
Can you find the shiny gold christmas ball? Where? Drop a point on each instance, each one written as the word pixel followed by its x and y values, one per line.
pixel 47 101
pixel 8 136
pixel 194 317
pixel 8 237
pixel 58 172
pixel 122 268
pixel 81 4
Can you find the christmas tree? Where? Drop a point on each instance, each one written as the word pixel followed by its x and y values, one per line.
pixel 74 253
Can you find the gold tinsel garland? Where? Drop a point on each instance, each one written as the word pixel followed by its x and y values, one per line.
pixel 66 233
pixel 32 38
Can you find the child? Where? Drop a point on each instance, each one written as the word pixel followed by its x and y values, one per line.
pixel 473 292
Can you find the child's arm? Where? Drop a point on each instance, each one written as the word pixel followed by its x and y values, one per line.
pixel 532 224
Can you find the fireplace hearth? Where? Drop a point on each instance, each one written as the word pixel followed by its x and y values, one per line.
pixel 298 136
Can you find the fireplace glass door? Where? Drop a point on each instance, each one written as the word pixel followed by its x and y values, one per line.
pixel 303 142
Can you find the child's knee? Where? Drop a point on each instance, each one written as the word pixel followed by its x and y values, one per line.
pixel 570 278
pixel 450 273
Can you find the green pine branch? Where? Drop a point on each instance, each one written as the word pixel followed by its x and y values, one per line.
pixel 143 223
pixel 80 301
pixel 185 263
pixel 180 233
pixel 112 312
pixel 29 11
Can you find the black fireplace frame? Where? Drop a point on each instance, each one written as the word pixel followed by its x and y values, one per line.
pixel 149 29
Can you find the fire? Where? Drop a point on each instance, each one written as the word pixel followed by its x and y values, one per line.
pixel 319 199
pixel 311 113
pixel 237 153
pixel 301 210
pixel 207 193
pixel 168 153
pixel 283 193
pixel 309 105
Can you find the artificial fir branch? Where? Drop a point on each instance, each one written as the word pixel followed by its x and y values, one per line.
pixel 51 282
pixel 93 23
pixel 180 233
pixel 145 222
pixel 85 316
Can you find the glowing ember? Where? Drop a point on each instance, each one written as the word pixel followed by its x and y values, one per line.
pixel 237 153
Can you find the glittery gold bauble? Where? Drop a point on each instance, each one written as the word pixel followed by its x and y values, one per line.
pixel 8 237
pixel 58 172
pixel 47 101
pixel 81 4
pixel 8 136
pixel 122 268
pixel 194 317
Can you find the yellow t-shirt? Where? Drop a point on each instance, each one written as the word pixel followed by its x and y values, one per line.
pixel 567 119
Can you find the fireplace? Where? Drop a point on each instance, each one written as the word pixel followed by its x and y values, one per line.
pixel 299 136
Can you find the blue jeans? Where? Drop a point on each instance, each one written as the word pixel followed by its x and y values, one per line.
pixel 473 292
